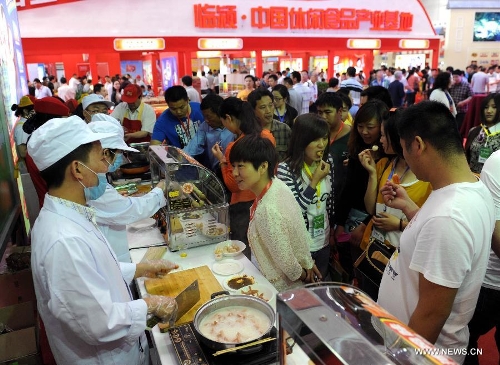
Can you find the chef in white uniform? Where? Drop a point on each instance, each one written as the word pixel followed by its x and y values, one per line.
pixel 114 211
pixel 82 290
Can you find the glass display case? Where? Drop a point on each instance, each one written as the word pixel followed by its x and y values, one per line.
pixel 196 213
pixel 333 323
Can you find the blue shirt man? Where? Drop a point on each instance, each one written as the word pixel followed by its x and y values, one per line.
pixel 210 132
pixel 177 125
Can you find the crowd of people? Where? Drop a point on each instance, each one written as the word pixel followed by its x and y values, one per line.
pixel 364 176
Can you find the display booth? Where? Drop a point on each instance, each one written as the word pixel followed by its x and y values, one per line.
pixel 254 36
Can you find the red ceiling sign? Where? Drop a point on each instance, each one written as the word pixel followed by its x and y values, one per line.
pixel 31 4
pixel 283 17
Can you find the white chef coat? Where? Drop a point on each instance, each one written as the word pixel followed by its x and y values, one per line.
pixel 81 289
pixel 114 212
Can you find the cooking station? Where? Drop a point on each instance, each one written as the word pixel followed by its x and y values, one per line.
pixel 198 257
pixel 324 324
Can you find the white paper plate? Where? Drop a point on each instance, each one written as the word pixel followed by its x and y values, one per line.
pixel 227 267
pixel 145 223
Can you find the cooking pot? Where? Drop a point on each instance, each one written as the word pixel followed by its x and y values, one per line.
pixel 142 155
pixel 231 301
pixel 135 168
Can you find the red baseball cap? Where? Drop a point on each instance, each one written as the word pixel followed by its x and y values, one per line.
pixel 131 93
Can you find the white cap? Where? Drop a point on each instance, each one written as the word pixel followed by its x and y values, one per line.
pixel 58 137
pixel 93 99
pixel 102 123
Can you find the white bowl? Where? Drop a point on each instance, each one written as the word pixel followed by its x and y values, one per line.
pixel 260 291
pixel 228 248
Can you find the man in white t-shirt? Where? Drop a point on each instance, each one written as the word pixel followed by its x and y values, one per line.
pixel 492 79
pixel 108 86
pixel 355 89
pixel 193 95
pixel 64 91
pixel 432 280
pixel 480 82
pixel 487 315
pixel 303 90
pixel 41 91
pixel 74 82
pixel 204 83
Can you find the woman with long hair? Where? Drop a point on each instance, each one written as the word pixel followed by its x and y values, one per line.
pixel 388 223
pixel 484 139
pixel 116 96
pixel 310 179
pixel 440 92
pixel 283 111
pixel 239 118
pixel 351 216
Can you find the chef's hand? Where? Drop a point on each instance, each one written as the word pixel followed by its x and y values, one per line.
pixel 165 308
pixel 154 268
pixel 163 186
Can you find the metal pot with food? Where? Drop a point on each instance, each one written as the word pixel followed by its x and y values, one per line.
pixel 142 155
pixel 135 168
pixel 232 320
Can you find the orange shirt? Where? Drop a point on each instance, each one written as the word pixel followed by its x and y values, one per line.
pixel 237 195
pixel 243 94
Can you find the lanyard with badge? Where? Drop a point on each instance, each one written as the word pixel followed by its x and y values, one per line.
pixel 318 221
pixel 485 151
pixel 282 117
pixel 186 129
pixel 378 234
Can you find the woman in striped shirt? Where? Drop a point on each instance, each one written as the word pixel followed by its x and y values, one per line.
pixel 310 178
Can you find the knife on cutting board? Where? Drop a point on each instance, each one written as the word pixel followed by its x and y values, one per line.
pixel 186 300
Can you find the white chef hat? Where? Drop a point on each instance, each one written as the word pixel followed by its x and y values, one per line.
pixel 58 137
pixel 103 123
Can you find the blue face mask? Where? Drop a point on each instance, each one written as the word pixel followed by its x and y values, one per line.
pixel 94 192
pixel 116 163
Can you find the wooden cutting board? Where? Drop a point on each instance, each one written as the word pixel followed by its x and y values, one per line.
pixel 173 283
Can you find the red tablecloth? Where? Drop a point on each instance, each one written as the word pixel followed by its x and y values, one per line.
pixel 473 115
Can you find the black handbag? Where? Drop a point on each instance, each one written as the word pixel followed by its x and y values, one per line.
pixel 372 262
